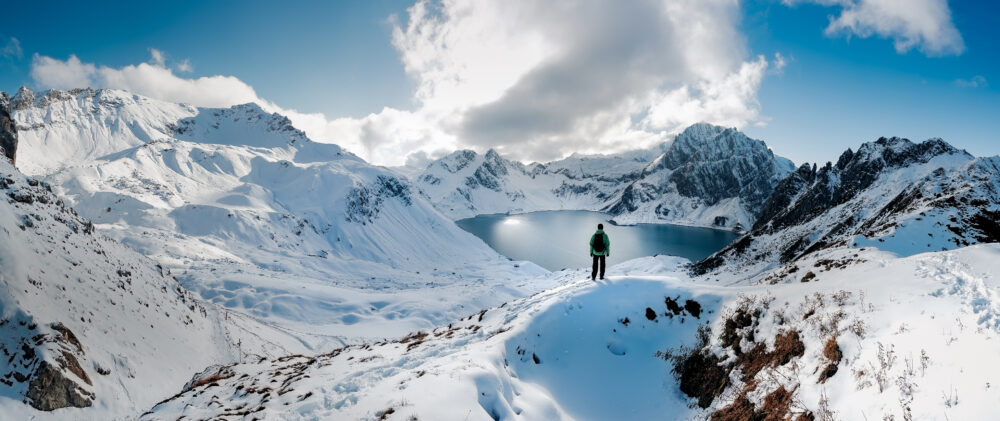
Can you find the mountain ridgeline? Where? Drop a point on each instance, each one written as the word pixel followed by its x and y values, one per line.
pixel 892 194
pixel 708 176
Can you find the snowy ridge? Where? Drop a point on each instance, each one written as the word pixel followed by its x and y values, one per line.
pixel 61 128
pixel 892 194
pixel 864 342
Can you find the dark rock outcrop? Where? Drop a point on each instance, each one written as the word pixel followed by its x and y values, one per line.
pixel 8 129
pixel 817 190
pixel 50 387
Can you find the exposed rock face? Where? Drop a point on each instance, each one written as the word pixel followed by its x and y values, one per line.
pixel 705 166
pixel 815 191
pixel 51 388
pixel 8 129
pixel 48 360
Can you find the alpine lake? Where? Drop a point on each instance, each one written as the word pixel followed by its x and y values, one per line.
pixel 558 240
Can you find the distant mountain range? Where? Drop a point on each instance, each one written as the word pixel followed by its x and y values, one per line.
pixel 707 176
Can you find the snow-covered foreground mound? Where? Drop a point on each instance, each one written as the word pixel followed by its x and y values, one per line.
pixel 884 336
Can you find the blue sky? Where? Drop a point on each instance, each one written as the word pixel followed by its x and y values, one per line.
pixel 807 92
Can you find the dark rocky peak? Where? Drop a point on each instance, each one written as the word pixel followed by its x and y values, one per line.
pixel 704 142
pixel 8 130
pixel 456 161
pixel 686 144
pixel 494 163
pixel 24 98
pixel 810 191
pixel 900 152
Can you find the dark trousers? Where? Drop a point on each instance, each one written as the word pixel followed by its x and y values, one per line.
pixel 598 259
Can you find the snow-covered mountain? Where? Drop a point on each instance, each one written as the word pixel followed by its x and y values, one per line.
pixel 465 184
pixel 707 176
pixel 710 175
pixel 87 322
pixel 252 215
pixel 891 194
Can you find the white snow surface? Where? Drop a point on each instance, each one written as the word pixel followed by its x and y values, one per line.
pixel 566 353
pixel 128 314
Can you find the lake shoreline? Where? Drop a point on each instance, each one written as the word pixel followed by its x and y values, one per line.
pixel 559 239
pixel 611 220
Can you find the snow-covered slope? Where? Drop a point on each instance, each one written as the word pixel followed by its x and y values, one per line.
pixel 707 176
pixel 252 215
pixel 885 336
pixel 86 322
pixel 63 128
pixel 464 184
pixel 891 194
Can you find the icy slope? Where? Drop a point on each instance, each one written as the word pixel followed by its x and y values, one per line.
pixel 891 194
pixel 707 176
pixel 85 321
pixel 882 337
pixel 252 215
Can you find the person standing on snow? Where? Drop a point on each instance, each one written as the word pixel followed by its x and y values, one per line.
pixel 600 248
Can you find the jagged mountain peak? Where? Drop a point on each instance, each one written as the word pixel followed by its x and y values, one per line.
pixel 906 197
pixel 240 124
pixel 705 142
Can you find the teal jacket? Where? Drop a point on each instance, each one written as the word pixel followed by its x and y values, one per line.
pixel 607 244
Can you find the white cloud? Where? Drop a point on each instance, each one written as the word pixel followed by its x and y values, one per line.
pixel 729 101
pixel 59 74
pixel 535 79
pixel 976 81
pixel 12 51
pixel 158 57
pixel 184 66
pixel 541 79
pixel 922 24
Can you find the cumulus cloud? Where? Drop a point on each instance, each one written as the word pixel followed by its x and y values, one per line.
pixel 541 79
pixel 922 24
pixel 62 74
pixel 535 79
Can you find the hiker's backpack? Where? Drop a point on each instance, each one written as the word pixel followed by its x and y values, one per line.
pixel 599 242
